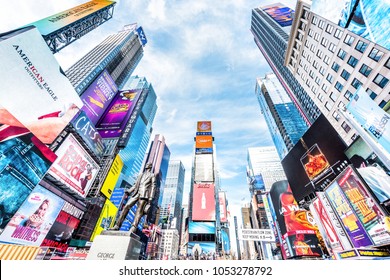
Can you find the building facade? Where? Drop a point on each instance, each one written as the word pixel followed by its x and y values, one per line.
pixel 331 63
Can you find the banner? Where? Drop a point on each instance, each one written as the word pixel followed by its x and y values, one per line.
pixel 74 167
pixel 106 219
pixel 34 218
pixel 222 207
pixel 371 117
pixel 112 177
pixel 203 202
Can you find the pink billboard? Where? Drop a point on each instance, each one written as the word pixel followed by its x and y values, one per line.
pixel 222 207
pixel 74 167
pixel 203 202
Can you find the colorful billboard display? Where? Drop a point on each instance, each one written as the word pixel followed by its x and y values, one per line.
pixel 115 119
pixel 280 13
pixel 302 243
pixel 106 219
pixel 63 227
pixel 65 18
pixel 203 202
pixel 141 35
pixel 203 141
pixel 204 171
pixel 98 96
pixel 223 218
pixel 352 225
pixel 365 207
pixel 112 177
pixel 203 128
pixel 313 158
pixel 23 156
pixel 74 167
pixel 33 220
pixel 371 117
pixel 88 132
pixel 202 227
pixel 203 248
pixel 42 100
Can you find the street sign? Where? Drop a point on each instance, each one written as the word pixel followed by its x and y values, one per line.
pixel 256 235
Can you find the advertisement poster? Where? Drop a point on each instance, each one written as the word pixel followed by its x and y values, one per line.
pixel 118 113
pixel 98 96
pixel 222 207
pixel 46 100
pixel 371 117
pixel 201 249
pixel 34 218
pixel 349 220
pixel 204 171
pixel 112 177
pixel 302 243
pixel 88 132
pixel 74 167
pixel 63 227
pixel 203 128
pixel 280 13
pixel 367 210
pixel 22 155
pixel 106 219
pixel 314 158
pixel 203 207
pixel 202 227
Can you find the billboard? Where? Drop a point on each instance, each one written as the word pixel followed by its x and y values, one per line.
pixel 365 207
pixel 98 96
pixel 202 227
pixel 204 171
pixel 257 182
pixel 314 158
pixel 87 130
pixel 74 167
pixel 280 13
pixel 141 35
pixel 33 220
pixel 302 243
pixel 203 128
pixel 118 113
pixel 223 218
pixel 352 225
pixel 202 248
pixel 35 90
pixel 112 177
pixel 55 22
pixel 203 141
pixel 203 202
pixel 106 219
pixel 22 156
pixel 371 117
pixel 63 227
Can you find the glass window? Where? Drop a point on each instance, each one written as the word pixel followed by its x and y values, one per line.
pixel 352 61
pixel 315 64
pixel 325 87
pixel 361 46
pixel 320 53
pixel 349 39
pixel 318 80
pixel 387 64
pixel 329 28
pixel 338 33
pixel 333 96
pixel 316 36
pixel 348 95
pixel 338 86
pixel 327 60
pixel 345 74
pixel 314 20
pixel 382 104
pixel 324 42
pixel 356 83
pixel 321 24
pixel 346 127
pixel 336 116
pixel 375 54
pixel 328 106
pixel 365 70
pixel 335 67
pixel 311 32
pixel 372 94
pixel 381 81
pixel 322 70
pixel 341 54
pixel 332 47
pixel 330 78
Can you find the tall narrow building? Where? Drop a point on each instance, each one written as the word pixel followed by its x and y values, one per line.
pixel 270 26
pixel 119 53
pixel 281 115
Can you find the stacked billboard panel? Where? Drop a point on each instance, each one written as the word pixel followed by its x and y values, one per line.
pixel 203 202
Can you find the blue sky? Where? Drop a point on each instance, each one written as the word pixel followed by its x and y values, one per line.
pixel 202 62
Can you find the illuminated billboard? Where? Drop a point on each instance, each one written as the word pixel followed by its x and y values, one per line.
pixel 34 89
pixel 23 156
pixel 203 128
pixel 196 249
pixel 313 158
pixel 112 177
pixel 106 219
pixel 115 119
pixel 302 243
pixel 222 207
pixel 203 141
pixel 66 223
pixel 70 16
pixel 33 220
pixel 204 171
pixel 203 202
pixel 141 35
pixel 202 227
pixel 98 96
pixel 280 13
pixel 74 167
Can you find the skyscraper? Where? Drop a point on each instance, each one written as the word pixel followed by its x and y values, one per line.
pixel 172 198
pixel 281 115
pixel 271 34
pixel 119 53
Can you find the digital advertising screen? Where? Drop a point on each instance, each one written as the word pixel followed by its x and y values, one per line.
pixel 202 227
pixel 280 13
pixel 203 128
pixel 203 202
pixel 106 219
pixel 112 177
pixel 223 218
pixel 34 218
pixel 204 169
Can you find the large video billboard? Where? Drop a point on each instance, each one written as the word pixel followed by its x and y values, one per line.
pixel 223 218
pixel 114 120
pixel 280 13
pixel 63 227
pixel 106 219
pixel 34 218
pixel 23 156
pixel 203 202
pixel 202 227
pixel 74 167
pixel 98 96
pixel 203 128
pixel 34 89
pixel 204 171
pixel 313 158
